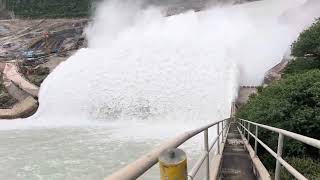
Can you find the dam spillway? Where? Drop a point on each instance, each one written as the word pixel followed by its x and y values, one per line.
pixel 136 77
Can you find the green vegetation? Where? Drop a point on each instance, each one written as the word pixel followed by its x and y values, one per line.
pixel 292 103
pixel 308 166
pixel 301 65
pixel 39 75
pixel 308 42
pixel 50 8
pixel 35 75
pixel 6 101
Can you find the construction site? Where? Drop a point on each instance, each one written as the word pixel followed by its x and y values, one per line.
pixel 29 51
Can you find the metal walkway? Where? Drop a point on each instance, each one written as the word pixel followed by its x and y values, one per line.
pixel 236 162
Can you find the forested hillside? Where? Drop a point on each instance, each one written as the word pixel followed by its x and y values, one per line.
pixel 292 103
pixel 49 8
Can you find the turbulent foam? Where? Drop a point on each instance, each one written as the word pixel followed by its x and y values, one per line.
pixel 142 66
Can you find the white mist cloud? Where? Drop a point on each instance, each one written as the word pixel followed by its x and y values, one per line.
pixel 141 65
pixel 255 35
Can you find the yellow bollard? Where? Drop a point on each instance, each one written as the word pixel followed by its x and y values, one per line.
pixel 173 165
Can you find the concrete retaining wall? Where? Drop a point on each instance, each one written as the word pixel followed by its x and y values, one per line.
pixel 244 94
pixel 11 73
pixel 15 91
pixel 22 109
pixel 22 90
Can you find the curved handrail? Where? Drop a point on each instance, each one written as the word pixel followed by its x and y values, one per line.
pixel 140 166
pixel 277 155
pixel 307 140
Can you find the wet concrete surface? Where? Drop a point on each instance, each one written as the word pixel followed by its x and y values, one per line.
pixel 236 162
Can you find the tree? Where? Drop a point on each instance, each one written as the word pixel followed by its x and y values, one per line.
pixel 50 8
pixel 308 42
pixel 293 104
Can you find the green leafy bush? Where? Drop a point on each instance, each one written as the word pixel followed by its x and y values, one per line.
pixel 308 166
pixel 293 104
pixel 39 75
pixel 301 65
pixel 308 42
pixel 6 101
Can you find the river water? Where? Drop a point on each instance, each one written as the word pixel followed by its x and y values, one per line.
pixel 143 79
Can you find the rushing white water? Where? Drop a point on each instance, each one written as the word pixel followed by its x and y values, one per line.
pixel 144 77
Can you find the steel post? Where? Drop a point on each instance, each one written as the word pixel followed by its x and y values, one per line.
pixel 279 154
pixel 243 130
pixel 227 128
pixel 242 127
pixel 206 148
pixel 222 131
pixel 256 142
pixel 248 133
pixel 218 130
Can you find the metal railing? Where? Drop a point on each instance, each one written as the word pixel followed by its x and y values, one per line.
pixel 143 164
pixel 245 127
